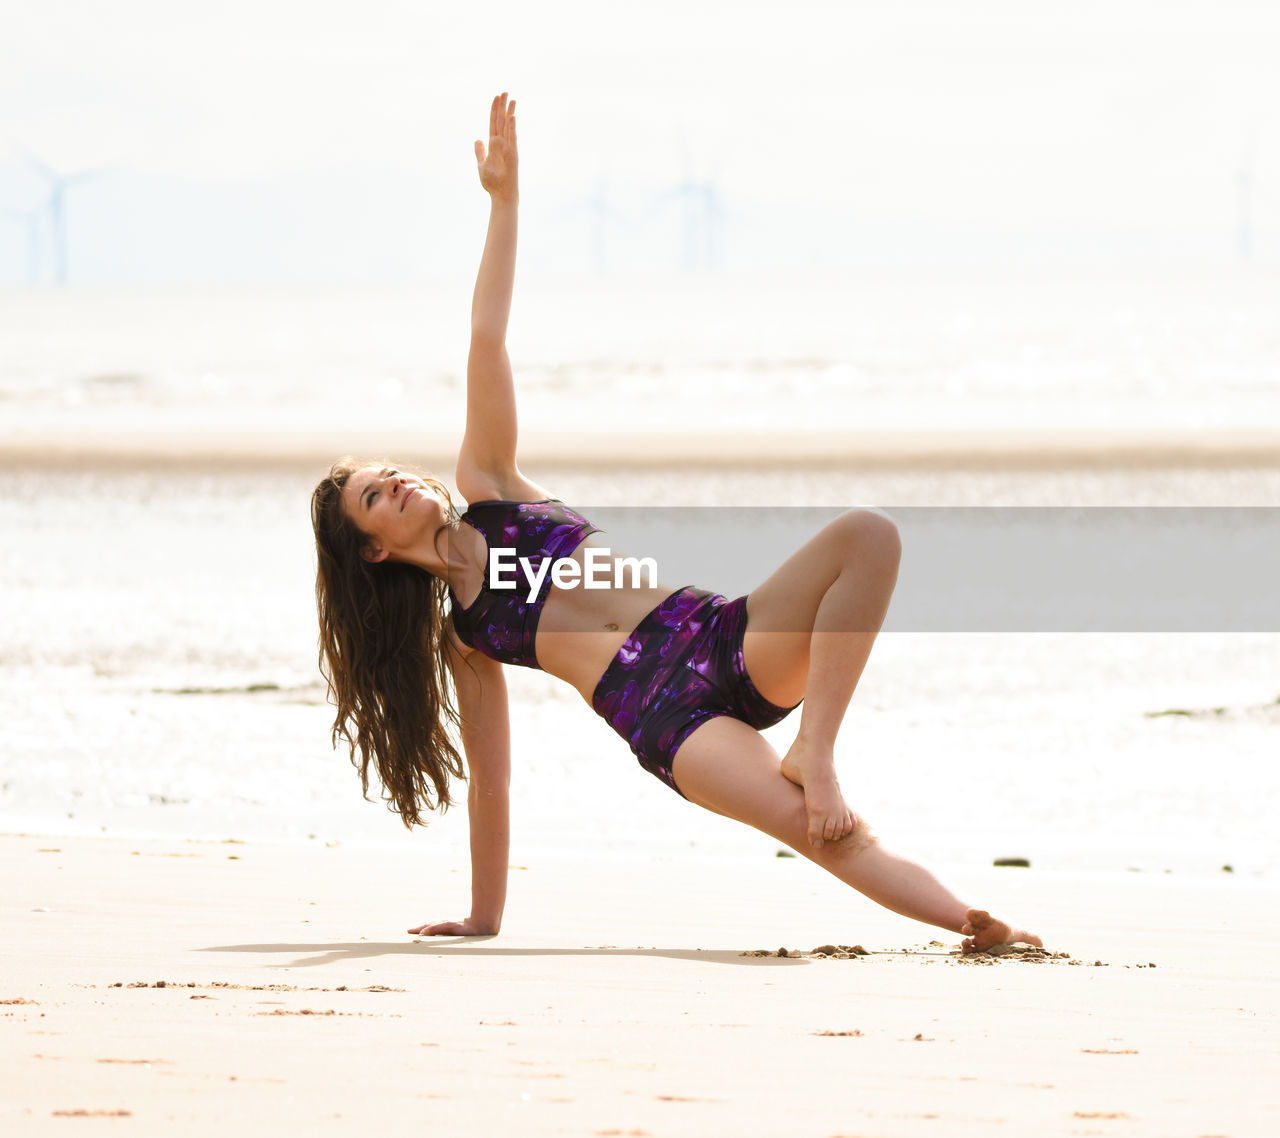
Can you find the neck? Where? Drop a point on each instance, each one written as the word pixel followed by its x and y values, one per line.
pixel 440 554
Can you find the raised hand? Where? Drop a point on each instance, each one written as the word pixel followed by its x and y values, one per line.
pixel 498 164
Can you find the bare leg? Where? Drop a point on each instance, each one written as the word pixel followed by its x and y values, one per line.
pixel 811 627
pixel 730 769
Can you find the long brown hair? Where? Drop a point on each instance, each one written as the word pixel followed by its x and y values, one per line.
pixel 382 642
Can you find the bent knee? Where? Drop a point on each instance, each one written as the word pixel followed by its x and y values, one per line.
pixel 870 537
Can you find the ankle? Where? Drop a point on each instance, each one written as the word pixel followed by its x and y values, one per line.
pixel 816 767
pixel 814 743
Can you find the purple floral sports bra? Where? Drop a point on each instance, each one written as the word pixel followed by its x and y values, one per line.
pixel 502 623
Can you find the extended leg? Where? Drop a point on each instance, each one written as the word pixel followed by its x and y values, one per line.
pixel 730 769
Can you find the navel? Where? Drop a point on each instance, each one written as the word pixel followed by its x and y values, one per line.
pixel 611 627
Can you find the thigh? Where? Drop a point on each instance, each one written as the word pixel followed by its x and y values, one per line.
pixel 729 768
pixel 781 610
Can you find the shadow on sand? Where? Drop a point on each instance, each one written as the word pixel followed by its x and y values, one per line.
pixel 310 955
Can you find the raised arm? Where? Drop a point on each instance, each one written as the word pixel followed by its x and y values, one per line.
pixel 486 739
pixel 487 458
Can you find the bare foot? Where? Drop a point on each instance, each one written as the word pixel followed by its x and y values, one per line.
pixel 983 931
pixel 830 818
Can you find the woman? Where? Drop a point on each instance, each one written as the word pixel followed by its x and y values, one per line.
pixel 687 677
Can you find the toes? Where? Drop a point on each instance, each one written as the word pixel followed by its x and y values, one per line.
pixel 833 828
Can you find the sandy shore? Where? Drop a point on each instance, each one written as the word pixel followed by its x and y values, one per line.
pixel 181 445
pixel 250 988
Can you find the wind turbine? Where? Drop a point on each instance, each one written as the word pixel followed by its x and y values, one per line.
pixel 602 215
pixel 1244 198
pixel 59 184
pixel 703 217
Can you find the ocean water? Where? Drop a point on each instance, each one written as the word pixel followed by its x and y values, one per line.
pixel 1063 349
pixel 158 646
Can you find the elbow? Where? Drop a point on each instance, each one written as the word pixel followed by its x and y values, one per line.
pixel 488 337
pixel 489 790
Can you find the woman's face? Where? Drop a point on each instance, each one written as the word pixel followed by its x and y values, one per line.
pixel 398 511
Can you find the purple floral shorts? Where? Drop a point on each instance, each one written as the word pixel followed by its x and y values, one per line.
pixel 681 666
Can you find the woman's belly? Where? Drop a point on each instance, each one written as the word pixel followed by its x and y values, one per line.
pixel 580 629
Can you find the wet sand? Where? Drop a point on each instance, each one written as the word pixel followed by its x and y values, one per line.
pixel 180 444
pixel 248 987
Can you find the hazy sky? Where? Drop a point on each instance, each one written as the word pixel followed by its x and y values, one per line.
pixel 281 139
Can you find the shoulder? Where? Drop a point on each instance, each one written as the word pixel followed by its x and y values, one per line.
pixel 504 484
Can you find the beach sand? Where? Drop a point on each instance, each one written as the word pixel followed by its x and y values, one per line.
pixel 203 988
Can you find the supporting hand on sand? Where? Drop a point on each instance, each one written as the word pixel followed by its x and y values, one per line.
pixel 454 928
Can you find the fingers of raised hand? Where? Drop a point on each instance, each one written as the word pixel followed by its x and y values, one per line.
pixel 500 115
